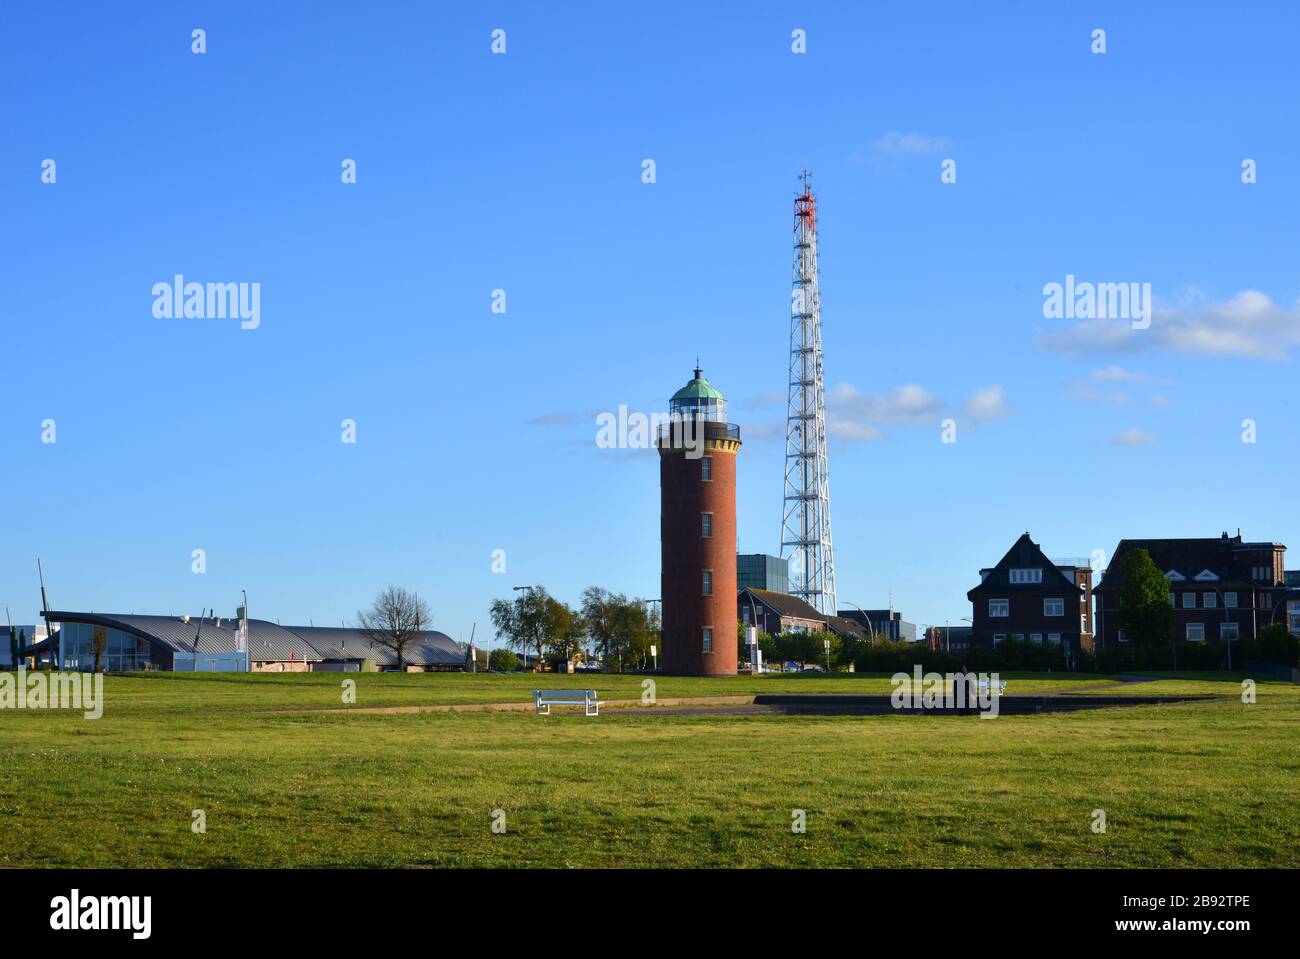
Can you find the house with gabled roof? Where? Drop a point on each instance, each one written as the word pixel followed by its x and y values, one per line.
pixel 1028 596
pixel 1221 589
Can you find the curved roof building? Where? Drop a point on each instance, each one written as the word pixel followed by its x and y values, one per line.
pixel 151 642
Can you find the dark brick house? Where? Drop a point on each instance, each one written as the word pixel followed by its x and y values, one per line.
pixel 1293 600
pixel 1027 596
pixel 1219 588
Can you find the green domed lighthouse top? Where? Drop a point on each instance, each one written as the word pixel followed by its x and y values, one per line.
pixel 699 388
pixel 699 399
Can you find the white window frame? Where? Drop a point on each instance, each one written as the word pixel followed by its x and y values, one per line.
pixel 1003 604
pixel 1230 600
pixel 1226 628
pixel 706 583
pixel 706 469
pixel 706 526
pixel 1189 600
pixel 1026 576
pixel 1195 639
pixel 1058 602
pixel 1210 601
pixel 706 639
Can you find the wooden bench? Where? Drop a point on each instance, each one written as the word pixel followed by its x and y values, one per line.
pixel 544 699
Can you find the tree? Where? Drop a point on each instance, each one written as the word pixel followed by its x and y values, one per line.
pixel 1145 615
pixel 522 622
pixel 599 609
pixel 565 629
pixel 394 620
pixel 502 661
pixel 98 643
pixel 1277 645
pixel 637 627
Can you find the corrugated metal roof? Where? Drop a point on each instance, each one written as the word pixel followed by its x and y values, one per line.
pixel 431 648
pixel 269 642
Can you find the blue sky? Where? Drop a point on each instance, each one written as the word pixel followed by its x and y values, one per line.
pixel 522 172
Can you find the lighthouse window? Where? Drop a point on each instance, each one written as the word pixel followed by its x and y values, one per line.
pixel 708 639
pixel 708 582
pixel 706 525
pixel 706 468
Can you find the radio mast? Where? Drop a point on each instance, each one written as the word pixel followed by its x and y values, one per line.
pixel 806 526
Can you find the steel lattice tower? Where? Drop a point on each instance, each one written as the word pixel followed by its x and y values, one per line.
pixel 806 527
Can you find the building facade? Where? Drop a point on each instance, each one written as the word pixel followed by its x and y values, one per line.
pixel 777 613
pixel 1220 589
pixel 133 642
pixel 698 450
pixel 761 571
pixel 1292 579
pixel 885 623
pixel 1027 596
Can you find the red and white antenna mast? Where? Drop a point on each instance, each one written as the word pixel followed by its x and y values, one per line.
pixel 806 522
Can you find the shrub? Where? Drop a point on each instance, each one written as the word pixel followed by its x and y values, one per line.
pixel 503 661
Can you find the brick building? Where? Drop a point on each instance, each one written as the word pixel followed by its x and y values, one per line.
pixel 1219 589
pixel 1027 596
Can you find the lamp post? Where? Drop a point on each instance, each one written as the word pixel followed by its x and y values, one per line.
pixel 753 659
pixel 1228 639
pixel 866 619
pixel 654 650
pixel 517 589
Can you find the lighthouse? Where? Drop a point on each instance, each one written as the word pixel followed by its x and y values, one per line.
pixel 697 531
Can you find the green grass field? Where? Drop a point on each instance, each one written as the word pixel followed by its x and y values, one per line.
pixel 287 777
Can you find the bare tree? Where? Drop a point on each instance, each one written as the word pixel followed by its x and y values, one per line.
pixel 394 620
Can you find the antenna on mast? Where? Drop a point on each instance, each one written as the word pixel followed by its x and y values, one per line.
pixel 806 522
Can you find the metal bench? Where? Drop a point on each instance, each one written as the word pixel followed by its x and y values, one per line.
pixel 544 699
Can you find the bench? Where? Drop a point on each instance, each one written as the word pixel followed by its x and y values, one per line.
pixel 984 684
pixel 544 699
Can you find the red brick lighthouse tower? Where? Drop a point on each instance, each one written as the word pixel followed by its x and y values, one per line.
pixel 697 532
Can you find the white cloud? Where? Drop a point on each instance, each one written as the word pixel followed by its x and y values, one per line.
pixel 1249 325
pixel 853 415
pixel 907 405
pixel 1134 438
pixel 1081 392
pixel 1117 374
pixel 986 404
pixel 848 430
pixel 907 144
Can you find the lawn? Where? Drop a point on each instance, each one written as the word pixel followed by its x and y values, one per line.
pixel 286 780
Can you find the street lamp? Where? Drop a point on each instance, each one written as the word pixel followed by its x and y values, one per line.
pixel 654 651
pixel 517 589
pixel 1228 639
pixel 867 619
